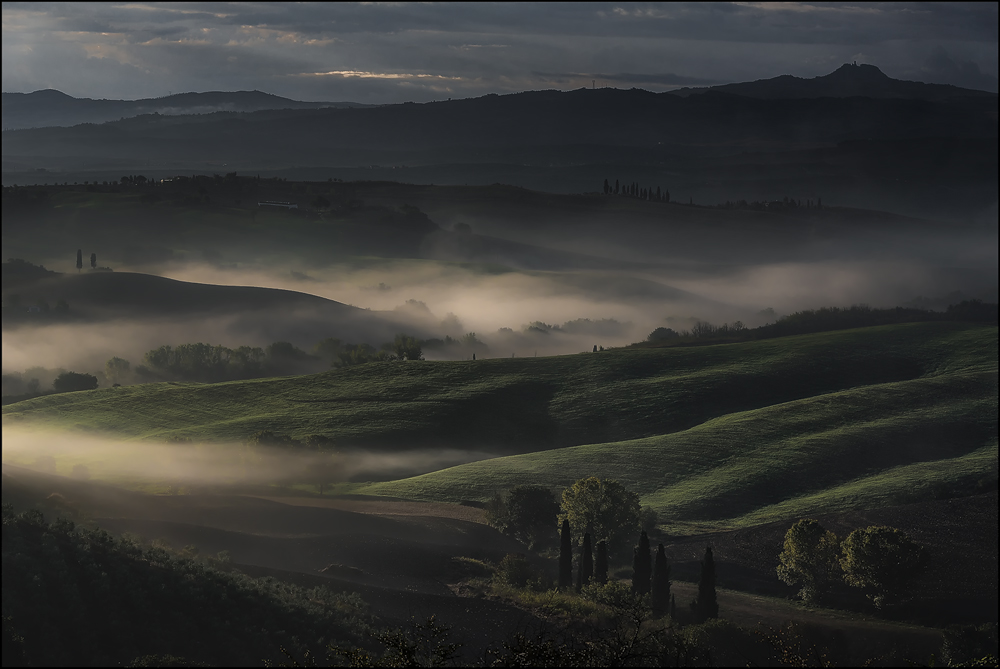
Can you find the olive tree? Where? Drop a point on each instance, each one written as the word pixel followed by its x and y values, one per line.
pixel 116 370
pixel 882 559
pixel 604 508
pixel 809 558
pixel 525 512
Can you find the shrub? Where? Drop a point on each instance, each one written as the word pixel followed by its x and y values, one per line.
pixel 72 381
pixel 514 569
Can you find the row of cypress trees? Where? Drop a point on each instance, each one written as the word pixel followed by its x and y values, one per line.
pixel 635 190
pixel 649 576
pixel 588 569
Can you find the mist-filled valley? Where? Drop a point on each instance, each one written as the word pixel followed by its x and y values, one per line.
pixel 527 273
pixel 701 375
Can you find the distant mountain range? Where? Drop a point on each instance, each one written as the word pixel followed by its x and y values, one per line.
pixel 49 107
pixel 54 108
pixel 854 137
pixel 848 81
pixel 485 128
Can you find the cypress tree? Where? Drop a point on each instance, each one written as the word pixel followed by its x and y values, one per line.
pixel 565 557
pixel 587 563
pixel 607 187
pixel 93 260
pixel 618 187
pixel 707 605
pixel 661 582
pixel 79 259
pixel 673 606
pixel 601 563
pixel 641 566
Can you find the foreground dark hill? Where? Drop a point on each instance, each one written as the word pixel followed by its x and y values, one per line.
pixel 849 80
pixel 398 565
pixel 54 108
pixel 271 533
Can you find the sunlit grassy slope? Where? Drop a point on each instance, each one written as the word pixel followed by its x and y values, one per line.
pixel 711 436
pixel 874 445
pixel 519 405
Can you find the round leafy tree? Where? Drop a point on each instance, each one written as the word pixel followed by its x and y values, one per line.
pixel 604 508
pixel 525 512
pixel 810 558
pixel 883 559
pixel 72 381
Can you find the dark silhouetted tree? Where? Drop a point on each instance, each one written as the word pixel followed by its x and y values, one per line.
pixel 673 606
pixel 407 348
pixel 585 573
pixel 660 588
pixel 72 381
pixel 607 187
pixel 666 195
pixel 618 188
pixel 642 566
pixel 565 557
pixel 525 512
pixel 707 604
pixel 883 559
pixel 79 259
pixel 601 563
pixel 93 261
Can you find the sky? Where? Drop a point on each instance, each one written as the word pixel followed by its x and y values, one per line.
pixel 397 52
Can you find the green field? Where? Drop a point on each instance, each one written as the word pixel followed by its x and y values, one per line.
pixel 711 437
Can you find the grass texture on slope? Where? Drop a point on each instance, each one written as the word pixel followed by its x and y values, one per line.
pixel 512 406
pixel 883 444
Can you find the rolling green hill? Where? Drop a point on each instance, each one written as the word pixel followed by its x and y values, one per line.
pixel 510 406
pixel 870 446
pixel 712 437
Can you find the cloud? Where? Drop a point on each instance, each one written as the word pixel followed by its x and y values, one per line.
pixel 658 79
pixel 941 68
pixel 476 48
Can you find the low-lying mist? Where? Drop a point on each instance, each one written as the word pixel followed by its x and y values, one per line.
pixel 511 312
pixel 172 466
